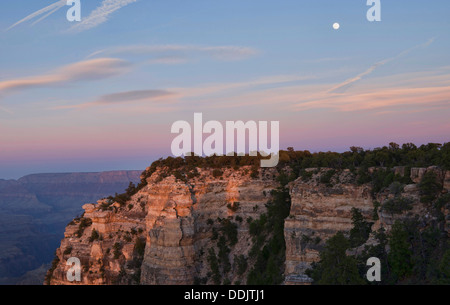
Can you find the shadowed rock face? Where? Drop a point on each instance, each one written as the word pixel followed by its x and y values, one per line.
pixel 319 211
pixel 36 208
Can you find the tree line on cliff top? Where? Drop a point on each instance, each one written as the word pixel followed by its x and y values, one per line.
pixel 356 158
pixel 387 156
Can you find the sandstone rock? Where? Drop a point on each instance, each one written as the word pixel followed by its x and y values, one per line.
pixel 173 218
pixel 411 188
pixel 400 170
pixel 318 212
pixel 89 207
pixel 375 168
pixel 417 174
pixel 176 218
pixel 447 180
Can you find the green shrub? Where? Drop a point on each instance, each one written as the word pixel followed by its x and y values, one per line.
pixel 376 206
pixel 397 205
pixel 229 229
pixel 335 267
pixel 94 236
pixel 68 250
pixel 429 187
pixel 361 229
pixel 217 173
pixel 214 266
pixel 241 264
pixel 84 223
pixel 306 175
pixel 117 250
pixel 326 178
pixel 139 246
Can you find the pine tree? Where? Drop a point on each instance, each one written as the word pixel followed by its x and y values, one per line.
pixel 335 267
pixel 400 251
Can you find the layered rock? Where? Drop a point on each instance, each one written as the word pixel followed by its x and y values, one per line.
pixel 320 210
pixel 36 208
pixel 177 219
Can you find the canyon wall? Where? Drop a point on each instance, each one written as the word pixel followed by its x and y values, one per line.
pixel 175 223
pixel 35 209
pixel 320 210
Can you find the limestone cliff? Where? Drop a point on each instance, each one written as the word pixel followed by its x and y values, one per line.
pixel 171 229
pixel 319 210
pixel 177 221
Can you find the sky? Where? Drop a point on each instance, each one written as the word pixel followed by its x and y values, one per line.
pixel 103 93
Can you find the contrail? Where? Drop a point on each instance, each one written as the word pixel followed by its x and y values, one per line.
pixel 51 9
pixel 45 16
pixel 336 89
pixel 100 14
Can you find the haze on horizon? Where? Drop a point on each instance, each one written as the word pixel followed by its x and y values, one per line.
pixel 102 94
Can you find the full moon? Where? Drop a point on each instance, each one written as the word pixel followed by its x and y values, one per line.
pixel 336 26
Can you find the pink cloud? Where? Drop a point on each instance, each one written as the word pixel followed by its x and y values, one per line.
pixel 93 69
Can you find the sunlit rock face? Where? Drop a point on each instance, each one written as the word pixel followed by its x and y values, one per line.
pixel 175 218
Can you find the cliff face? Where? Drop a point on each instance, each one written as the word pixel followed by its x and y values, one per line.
pixel 176 219
pixel 179 222
pixel 319 210
pixel 35 209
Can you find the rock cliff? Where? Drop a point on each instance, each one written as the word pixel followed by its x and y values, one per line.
pixel 35 209
pixel 168 232
pixel 177 221
pixel 320 210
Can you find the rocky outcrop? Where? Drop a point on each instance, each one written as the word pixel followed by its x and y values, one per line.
pixel 321 210
pixel 176 218
pixel 36 208
pixel 447 181
pixel 318 212
pixel 442 176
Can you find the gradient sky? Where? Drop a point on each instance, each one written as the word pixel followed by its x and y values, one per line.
pixel 102 94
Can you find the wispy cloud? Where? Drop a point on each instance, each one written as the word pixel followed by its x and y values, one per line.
pixel 141 96
pixel 100 14
pixel 226 89
pixel 48 10
pixel 182 52
pixel 94 69
pixel 127 97
pixel 379 99
pixel 393 94
pixel 344 85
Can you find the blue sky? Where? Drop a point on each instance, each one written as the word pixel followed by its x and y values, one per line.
pixel 68 91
